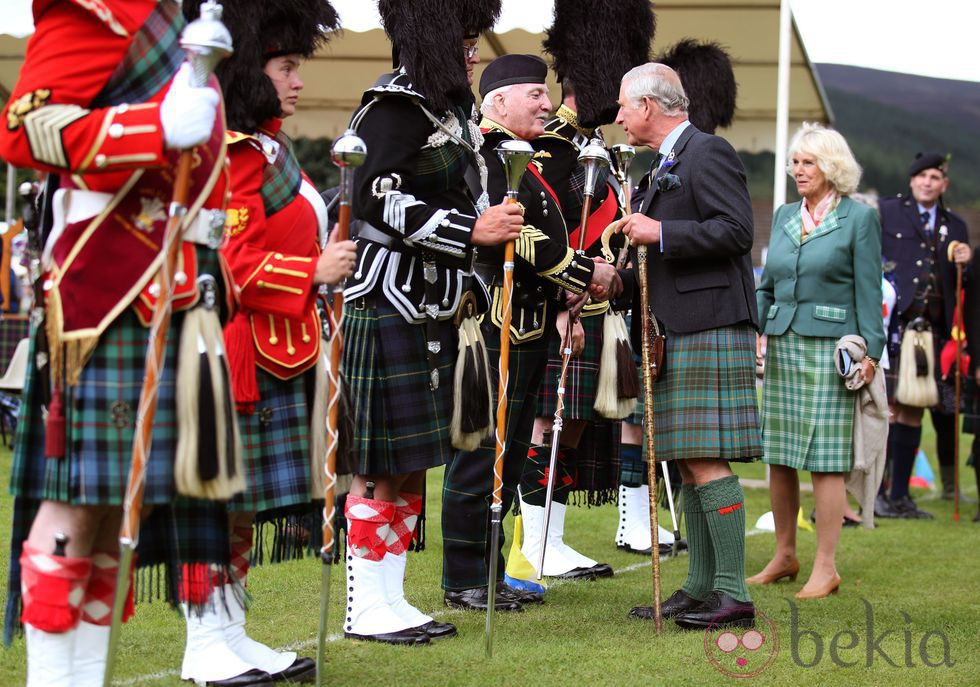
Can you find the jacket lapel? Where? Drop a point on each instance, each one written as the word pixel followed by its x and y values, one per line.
pixel 911 211
pixel 672 157
pixel 793 226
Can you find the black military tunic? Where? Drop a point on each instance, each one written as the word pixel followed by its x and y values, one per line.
pixel 544 265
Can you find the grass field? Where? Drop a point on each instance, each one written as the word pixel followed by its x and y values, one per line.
pixel 909 597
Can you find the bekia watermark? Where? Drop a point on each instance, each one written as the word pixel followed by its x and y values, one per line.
pixel 748 652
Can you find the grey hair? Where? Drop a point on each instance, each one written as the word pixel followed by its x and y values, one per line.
pixel 658 82
pixel 487 104
pixel 834 156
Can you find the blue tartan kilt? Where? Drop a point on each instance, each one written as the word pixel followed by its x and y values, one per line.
pixel 401 425
pixel 276 445
pixel 583 375
pixel 100 416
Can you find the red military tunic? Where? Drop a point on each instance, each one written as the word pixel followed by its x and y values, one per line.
pixel 116 173
pixel 275 219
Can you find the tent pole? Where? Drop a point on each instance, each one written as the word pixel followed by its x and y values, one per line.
pixel 782 105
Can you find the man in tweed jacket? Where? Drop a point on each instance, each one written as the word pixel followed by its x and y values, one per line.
pixel 696 221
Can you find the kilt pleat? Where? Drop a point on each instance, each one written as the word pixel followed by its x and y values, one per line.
pixel 583 375
pixel 276 446
pixel 400 424
pixel 807 412
pixel 100 417
pixel 705 403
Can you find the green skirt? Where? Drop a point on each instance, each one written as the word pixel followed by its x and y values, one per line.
pixel 807 412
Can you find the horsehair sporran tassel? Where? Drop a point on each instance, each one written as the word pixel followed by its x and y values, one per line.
pixel 472 419
pixel 208 457
pixel 618 382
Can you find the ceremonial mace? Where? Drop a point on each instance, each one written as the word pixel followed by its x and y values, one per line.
pixel 348 152
pixel 623 155
pixel 515 156
pixel 592 157
pixel 206 42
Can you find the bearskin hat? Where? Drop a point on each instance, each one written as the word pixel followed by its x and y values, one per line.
pixel 593 43
pixel 260 30
pixel 706 73
pixel 427 37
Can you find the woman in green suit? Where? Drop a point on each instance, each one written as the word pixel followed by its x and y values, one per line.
pixel 822 281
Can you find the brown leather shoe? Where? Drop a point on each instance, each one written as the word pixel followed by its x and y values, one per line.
pixel 832 586
pixel 790 571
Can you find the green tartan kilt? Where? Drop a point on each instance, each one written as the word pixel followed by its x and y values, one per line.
pixel 400 424
pixel 807 412
pixel 583 375
pixel 705 402
pixel 276 445
pixel 100 416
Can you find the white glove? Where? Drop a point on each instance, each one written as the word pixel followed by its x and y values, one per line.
pixel 187 112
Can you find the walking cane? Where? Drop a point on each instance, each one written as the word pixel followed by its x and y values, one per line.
pixel 592 157
pixel 206 42
pixel 515 156
pixel 648 427
pixel 958 333
pixel 348 152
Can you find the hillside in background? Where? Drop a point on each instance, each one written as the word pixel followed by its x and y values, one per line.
pixel 887 118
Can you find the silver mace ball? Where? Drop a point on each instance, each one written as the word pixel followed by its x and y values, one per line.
pixel 348 150
pixel 622 156
pixel 515 156
pixel 206 41
pixel 593 156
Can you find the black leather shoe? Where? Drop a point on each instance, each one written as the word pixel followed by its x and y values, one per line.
pixel 250 678
pixel 576 574
pixel 884 508
pixel 601 570
pixel 521 596
pixel 718 610
pixel 641 552
pixel 907 509
pixel 303 669
pixel 437 630
pixel 475 599
pixel 676 603
pixel 411 636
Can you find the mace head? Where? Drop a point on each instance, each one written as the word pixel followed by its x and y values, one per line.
pixel 206 41
pixel 348 150
pixel 592 157
pixel 622 157
pixel 515 156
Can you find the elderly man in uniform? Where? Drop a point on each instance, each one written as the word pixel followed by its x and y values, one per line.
pixel 696 222
pixel 515 106
pixel 916 233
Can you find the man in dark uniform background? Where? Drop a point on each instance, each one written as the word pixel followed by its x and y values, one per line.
pixel 916 232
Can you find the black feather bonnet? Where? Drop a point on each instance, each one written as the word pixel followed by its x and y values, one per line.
pixel 706 73
pixel 261 30
pixel 593 43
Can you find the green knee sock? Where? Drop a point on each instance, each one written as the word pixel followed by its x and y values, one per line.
pixel 701 557
pixel 723 503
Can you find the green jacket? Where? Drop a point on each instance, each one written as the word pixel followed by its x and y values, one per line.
pixel 830 285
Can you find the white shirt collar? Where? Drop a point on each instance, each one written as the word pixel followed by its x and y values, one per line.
pixel 668 144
